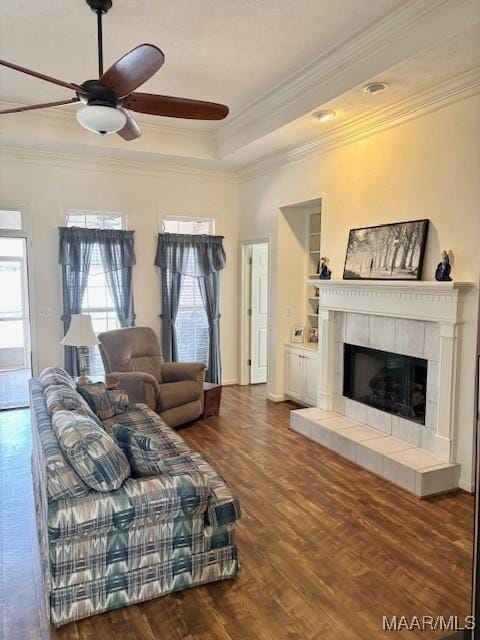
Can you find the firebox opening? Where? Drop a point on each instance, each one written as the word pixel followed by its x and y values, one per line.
pixel 387 381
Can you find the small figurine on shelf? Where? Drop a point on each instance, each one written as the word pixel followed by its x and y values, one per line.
pixel 444 268
pixel 323 270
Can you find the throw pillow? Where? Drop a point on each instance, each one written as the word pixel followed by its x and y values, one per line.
pixel 93 454
pixel 54 376
pixel 105 403
pixel 120 400
pixel 63 398
pixel 143 452
pixel 97 398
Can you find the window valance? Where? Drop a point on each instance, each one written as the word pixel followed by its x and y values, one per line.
pixel 190 255
pixel 77 244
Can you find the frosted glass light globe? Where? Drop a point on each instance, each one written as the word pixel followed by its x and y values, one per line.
pixel 101 119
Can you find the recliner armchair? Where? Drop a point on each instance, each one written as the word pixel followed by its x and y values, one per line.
pixel 173 389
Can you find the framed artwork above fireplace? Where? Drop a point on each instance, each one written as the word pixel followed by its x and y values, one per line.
pixel 386 252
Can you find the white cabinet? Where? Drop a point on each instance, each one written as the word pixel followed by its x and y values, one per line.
pixel 301 374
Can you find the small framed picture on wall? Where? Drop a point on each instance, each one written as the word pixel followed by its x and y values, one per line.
pixel 298 334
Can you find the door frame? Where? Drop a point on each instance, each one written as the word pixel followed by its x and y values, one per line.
pixel 244 319
pixel 26 234
pixel 25 317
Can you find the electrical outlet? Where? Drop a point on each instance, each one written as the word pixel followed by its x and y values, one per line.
pixel 45 312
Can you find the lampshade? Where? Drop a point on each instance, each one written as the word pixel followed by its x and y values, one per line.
pixel 80 332
pixel 101 119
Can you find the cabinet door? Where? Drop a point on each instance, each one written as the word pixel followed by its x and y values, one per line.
pixel 310 378
pixel 293 382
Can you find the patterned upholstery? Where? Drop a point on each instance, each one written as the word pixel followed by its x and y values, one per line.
pixel 54 376
pixel 104 403
pixel 143 452
pixel 64 398
pixel 149 423
pixel 94 455
pixel 151 536
pixel 62 480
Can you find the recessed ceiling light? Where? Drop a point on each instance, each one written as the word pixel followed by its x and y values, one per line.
pixel 324 116
pixel 375 87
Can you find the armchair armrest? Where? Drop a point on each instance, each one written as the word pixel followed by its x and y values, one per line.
pixel 180 371
pixel 140 386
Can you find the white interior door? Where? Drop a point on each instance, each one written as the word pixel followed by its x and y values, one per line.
pixel 259 313
pixel 14 316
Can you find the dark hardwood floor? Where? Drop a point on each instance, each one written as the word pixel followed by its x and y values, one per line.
pixel 326 548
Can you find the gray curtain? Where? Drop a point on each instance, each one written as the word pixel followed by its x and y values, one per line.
pixel 74 285
pixel 210 291
pixel 202 257
pixel 77 250
pixel 171 287
pixel 117 260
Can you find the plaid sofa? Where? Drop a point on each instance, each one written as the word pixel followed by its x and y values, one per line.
pixel 152 536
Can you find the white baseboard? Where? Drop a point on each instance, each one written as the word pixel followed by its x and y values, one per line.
pixel 466 485
pixel 229 383
pixel 276 398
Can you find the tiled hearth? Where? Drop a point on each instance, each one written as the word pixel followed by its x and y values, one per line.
pixel 418 319
pixel 413 468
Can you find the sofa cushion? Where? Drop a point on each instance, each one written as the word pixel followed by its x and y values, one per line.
pixel 148 364
pixel 63 398
pixel 53 376
pixel 137 502
pixel 93 454
pixel 143 452
pixel 62 480
pixel 176 394
pixel 105 403
pixel 147 422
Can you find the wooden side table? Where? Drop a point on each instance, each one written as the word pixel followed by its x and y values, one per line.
pixel 212 395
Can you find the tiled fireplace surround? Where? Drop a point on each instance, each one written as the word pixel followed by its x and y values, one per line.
pixel 415 338
pixel 420 319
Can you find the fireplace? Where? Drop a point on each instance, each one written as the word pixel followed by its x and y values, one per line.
pixel 387 381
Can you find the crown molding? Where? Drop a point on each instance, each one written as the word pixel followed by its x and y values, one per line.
pixel 109 164
pixel 414 26
pixel 442 95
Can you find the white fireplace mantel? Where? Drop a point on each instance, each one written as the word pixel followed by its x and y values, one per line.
pixel 436 302
pixel 430 301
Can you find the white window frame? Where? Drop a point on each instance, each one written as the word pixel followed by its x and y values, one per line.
pixel 194 219
pixel 101 214
pixel 14 233
pixel 93 352
pixel 178 218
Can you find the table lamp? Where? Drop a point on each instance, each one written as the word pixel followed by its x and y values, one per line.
pixel 80 334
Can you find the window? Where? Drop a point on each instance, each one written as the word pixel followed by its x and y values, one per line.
pixel 191 323
pixel 97 301
pixel 95 220
pixel 10 220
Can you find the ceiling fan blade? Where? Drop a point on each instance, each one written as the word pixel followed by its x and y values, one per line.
pixel 43 105
pixel 176 107
pixel 133 69
pixel 131 130
pixel 41 76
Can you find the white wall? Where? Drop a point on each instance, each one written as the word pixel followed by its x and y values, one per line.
pixel 424 168
pixel 45 185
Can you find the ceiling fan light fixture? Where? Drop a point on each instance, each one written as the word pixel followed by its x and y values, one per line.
pixel 101 119
pixel 324 116
pixel 375 87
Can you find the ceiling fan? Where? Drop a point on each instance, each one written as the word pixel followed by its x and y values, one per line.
pixel 108 100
